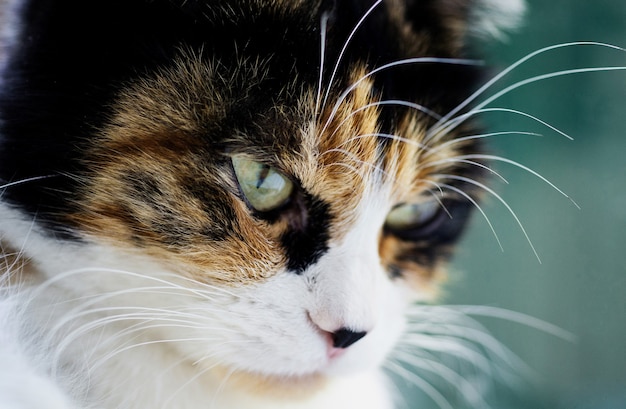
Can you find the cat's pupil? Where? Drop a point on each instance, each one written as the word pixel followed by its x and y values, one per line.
pixel 264 187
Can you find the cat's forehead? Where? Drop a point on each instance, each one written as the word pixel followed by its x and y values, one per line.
pixel 164 178
pixel 335 145
pixel 327 93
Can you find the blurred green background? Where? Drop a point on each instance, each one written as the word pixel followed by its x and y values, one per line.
pixel 580 284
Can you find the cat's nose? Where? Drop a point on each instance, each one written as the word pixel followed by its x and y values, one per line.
pixel 345 337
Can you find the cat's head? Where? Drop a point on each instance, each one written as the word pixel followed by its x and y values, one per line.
pixel 287 168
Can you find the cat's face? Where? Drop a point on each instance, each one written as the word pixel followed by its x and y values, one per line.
pixel 293 196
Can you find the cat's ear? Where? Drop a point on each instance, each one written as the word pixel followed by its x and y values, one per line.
pixel 454 22
pixel 494 18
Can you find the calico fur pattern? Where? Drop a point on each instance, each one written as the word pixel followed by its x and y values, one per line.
pixel 135 270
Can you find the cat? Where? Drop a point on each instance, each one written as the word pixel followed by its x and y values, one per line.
pixel 229 204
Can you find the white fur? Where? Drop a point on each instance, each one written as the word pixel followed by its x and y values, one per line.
pixel 23 383
pixel 118 330
pixel 493 18
pixel 107 328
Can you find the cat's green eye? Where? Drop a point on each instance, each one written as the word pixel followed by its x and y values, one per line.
pixel 410 216
pixel 264 187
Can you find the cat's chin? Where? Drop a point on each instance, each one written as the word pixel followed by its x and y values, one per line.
pixel 340 364
pixel 274 386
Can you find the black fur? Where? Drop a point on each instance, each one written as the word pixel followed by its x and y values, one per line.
pixel 73 57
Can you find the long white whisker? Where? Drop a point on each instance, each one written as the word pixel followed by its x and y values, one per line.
pixel 477 206
pixel 388 102
pixel 392 137
pixel 323 28
pixel 355 159
pixel 169 315
pixel 450 344
pixel 441 334
pixel 455 122
pixel 10 267
pixel 514 316
pixel 438 198
pixel 513 66
pixel 519 165
pixel 426 387
pixel 458 341
pixel 345 46
pixel 147 343
pixel 65 275
pixel 76 333
pixel 462 139
pixel 467 389
pixel 501 200
pixel 221 386
pixel 419 60
pixel 437 185
pixel 544 77
pixel 22 181
pixel 189 382
pixel 463 159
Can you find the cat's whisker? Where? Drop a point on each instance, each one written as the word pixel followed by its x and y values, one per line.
pixel 391 102
pixel 545 77
pixel 143 313
pixel 462 351
pixel 82 309
pixel 98 298
pixel 145 322
pixel 215 351
pixel 467 346
pixel 517 317
pixel 438 197
pixel 222 385
pixel 475 362
pixel 444 145
pixel 323 32
pixel 464 160
pixel 68 338
pixel 434 315
pixel 427 324
pixel 93 270
pixel 173 316
pixel 11 267
pixel 11 272
pixel 478 207
pixel 438 186
pixel 259 195
pixel 207 288
pixel 377 168
pixel 103 360
pixel 23 181
pixel 443 206
pixel 460 341
pixel 190 381
pixel 439 133
pixel 392 137
pixel 512 67
pixel 432 392
pixel 351 168
pixel 356 160
pixel 408 61
pixel 520 166
pixel 500 199
pixel 467 389
pixel 345 46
